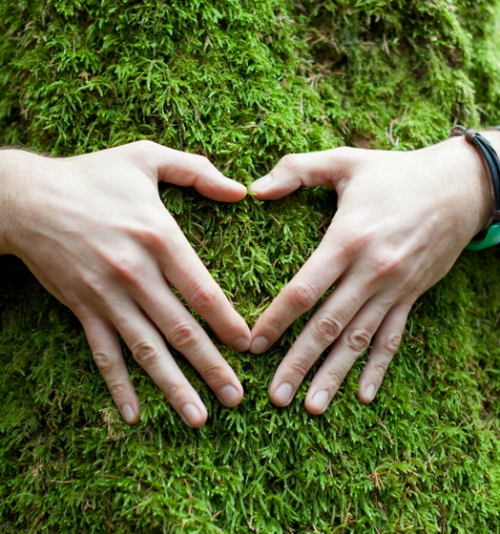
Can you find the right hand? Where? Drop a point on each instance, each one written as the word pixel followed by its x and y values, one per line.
pixel 95 233
pixel 403 219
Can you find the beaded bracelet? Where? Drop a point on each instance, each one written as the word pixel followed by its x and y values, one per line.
pixel 489 236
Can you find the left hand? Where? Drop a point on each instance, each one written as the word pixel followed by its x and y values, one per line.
pixel 403 219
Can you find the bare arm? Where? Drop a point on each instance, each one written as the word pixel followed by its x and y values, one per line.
pixel 95 233
pixel 403 219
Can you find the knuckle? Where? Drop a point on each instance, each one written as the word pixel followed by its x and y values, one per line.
pixel 290 162
pixel 334 380
pixel 358 340
pixel 412 297
pixel 299 366
pixel 77 305
pixel 151 234
pixel 387 265
pixel 326 330
pixel 126 269
pixel 144 147
pixel 104 361
pixel 358 238
pixel 302 295
pixel 203 297
pixel 173 390
pixel 213 372
pixel 341 159
pixel 380 368
pixel 391 343
pixel 117 390
pixel 182 336
pixel 203 162
pixel 145 353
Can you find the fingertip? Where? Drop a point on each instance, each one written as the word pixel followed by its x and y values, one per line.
pixel 194 415
pixel 259 345
pixel 230 395
pixel 311 408
pixel 241 190
pixel 233 190
pixel 242 344
pixel 317 403
pixel 282 395
pixel 366 393
pixel 261 185
pixel 130 413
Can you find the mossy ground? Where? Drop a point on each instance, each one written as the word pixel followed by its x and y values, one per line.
pixel 246 82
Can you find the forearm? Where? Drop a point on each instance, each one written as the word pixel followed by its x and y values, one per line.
pixel 13 165
pixel 6 169
pixel 18 170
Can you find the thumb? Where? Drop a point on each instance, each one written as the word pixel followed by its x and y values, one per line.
pixel 185 169
pixel 309 170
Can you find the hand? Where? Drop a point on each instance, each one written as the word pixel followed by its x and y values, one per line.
pixel 402 221
pixel 95 233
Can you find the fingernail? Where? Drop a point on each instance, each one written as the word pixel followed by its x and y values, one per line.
pixel 261 183
pixel 229 395
pixel 191 414
pixel 284 394
pixel 259 344
pixel 370 392
pixel 320 400
pixel 241 344
pixel 128 413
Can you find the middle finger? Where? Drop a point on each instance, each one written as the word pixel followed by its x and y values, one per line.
pixel 320 332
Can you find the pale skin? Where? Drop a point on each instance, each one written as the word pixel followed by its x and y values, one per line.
pixel 403 219
pixel 96 234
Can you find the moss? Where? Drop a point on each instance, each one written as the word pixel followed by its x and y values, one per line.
pixel 244 83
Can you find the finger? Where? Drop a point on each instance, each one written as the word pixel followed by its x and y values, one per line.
pixel 385 345
pixel 150 352
pixel 185 334
pixel 185 271
pixel 108 357
pixel 182 168
pixel 320 332
pixel 315 277
pixel 353 341
pixel 310 170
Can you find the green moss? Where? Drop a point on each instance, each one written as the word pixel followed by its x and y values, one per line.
pixel 244 83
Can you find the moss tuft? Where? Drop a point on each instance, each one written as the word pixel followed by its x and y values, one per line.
pixel 245 83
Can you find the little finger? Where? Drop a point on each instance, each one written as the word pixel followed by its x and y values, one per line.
pixel 385 345
pixel 108 356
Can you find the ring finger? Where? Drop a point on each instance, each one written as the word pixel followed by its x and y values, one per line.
pixel 353 341
pixel 151 353
pixel 187 336
pixel 385 345
pixel 108 356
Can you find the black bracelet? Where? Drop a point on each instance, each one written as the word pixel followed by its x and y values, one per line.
pixel 491 158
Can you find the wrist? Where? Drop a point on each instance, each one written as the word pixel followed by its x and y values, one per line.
pixel 472 176
pixel 15 168
pixel 493 138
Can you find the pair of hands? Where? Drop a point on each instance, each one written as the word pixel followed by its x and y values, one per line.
pixel 95 233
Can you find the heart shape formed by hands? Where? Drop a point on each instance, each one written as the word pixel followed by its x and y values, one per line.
pixel 103 243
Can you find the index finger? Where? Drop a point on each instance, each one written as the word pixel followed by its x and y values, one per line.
pixel 317 275
pixel 183 268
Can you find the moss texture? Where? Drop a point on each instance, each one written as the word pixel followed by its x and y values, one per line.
pixel 245 82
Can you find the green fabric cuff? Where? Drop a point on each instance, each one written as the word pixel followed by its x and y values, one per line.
pixel 491 239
